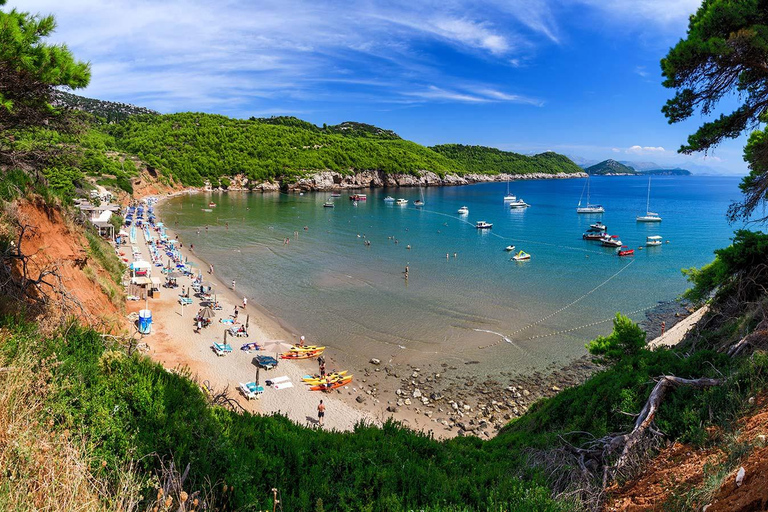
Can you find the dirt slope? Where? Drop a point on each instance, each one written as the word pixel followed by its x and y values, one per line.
pixel 680 468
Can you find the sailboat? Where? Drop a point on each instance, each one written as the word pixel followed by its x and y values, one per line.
pixel 649 215
pixel 419 202
pixel 589 208
pixel 509 198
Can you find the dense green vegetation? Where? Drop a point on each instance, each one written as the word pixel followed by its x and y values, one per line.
pixel 609 167
pixel 485 160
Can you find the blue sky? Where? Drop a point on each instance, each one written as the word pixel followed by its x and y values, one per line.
pixel 580 77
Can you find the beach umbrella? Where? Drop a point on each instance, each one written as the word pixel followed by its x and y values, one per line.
pixel 207 313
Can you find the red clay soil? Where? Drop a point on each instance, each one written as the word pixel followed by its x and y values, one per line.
pixel 52 242
pixel 679 468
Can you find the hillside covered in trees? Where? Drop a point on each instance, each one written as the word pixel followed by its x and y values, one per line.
pixel 109 111
pixel 484 160
pixel 193 147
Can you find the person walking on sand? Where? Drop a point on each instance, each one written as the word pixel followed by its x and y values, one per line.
pixel 245 302
pixel 233 284
pixel 321 413
pixel 210 268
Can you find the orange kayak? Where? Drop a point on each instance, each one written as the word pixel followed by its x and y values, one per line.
pixel 300 355
pixel 334 385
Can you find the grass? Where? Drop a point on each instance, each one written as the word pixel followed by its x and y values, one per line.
pixel 103 253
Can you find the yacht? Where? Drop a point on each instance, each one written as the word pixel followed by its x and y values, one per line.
pixel 389 199
pixel 649 215
pixel 481 224
pixel 401 202
pixel 463 211
pixel 588 208
pixel 593 234
pixel 598 226
pixel 419 202
pixel 509 197
pixel 653 240
pixel 519 203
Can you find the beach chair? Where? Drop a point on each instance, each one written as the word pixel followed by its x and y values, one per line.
pixel 222 349
pixel 185 301
pixel 250 390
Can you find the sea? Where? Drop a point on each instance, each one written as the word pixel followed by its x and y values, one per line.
pixel 336 274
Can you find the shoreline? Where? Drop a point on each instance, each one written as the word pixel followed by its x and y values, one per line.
pixel 439 398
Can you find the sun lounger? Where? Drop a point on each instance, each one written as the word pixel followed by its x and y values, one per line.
pixel 283 385
pixel 225 321
pixel 222 349
pixel 250 390
pixel 277 380
pixel 266 362
pixel 185 301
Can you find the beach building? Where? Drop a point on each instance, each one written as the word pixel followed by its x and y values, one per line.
pixel 99 216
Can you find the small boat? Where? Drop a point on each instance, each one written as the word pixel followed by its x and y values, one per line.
pixel 328 204
pixel 401 202
pixel 332 385
pixel 354 203
pixel 305 348
pixel 211 205
pixel 611 241
pixel 625 251
pixel 649 215
pixel 593 234
pixel 589 208
pixel 208 210
pixel 598 226
pixel 389 199
pixel 418 203
pixel 509 248
pixel 300 355
pixel 653 240
pixel 481 224
pixel 521 256
pixel 335 194
pixel 463 210
pixel 315 379
pixel 518 203
pixel 358 197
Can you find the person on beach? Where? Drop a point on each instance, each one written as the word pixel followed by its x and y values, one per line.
pixel 235 314
pixel 245 302
pixel 233 284
pixel 301 341
pixel 191 247
pixel 210 269
pixel 321 413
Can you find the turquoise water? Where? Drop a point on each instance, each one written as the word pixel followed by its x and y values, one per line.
pixel 330 286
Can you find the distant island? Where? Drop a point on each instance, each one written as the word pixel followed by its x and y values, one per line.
pixel 612 167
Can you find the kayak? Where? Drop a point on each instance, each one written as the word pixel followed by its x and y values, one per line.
pixel 309 379
pixel 317 377
pixel 322 387
pixel 301 355
pixel 307 348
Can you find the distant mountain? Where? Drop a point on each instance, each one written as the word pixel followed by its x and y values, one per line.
pixel 667 172
pixel 641 166
pixel 111 111
pixel 581 161
pixel 610 167
pixel 613 168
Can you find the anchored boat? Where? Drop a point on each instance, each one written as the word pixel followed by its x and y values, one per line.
pixel 653 240
pixel 521 256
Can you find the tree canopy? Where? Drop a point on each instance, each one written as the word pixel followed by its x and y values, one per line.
pixel 725 54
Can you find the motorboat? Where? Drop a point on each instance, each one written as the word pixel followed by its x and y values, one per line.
pixel 509 248
pixel 463 210
pixel 211 205
pixel 588 208
pixel 598 226
pixel 401 202
pixel 389 199
pixel 518 203
pixel 653 240
pixel 625 251
pixel 593 234
pixel 358 197
pixel 328 204
pixel 649 215
pixel 335 194
pixel 481 224
pixel 521 256
pixel 611 241
pixel 418 203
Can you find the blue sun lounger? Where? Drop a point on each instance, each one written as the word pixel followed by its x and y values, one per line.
pixel 222 349
pixel 250 390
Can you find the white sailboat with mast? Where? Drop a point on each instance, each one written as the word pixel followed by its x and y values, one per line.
pixel 588 208
pixel 509 198
pixel 649 215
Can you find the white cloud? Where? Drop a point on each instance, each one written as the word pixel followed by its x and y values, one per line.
pixel 644 150
pixel 470 95
pixel 662 12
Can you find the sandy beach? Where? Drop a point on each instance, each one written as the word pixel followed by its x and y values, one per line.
pixel 174 343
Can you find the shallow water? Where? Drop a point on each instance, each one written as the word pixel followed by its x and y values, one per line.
pixel 329 285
